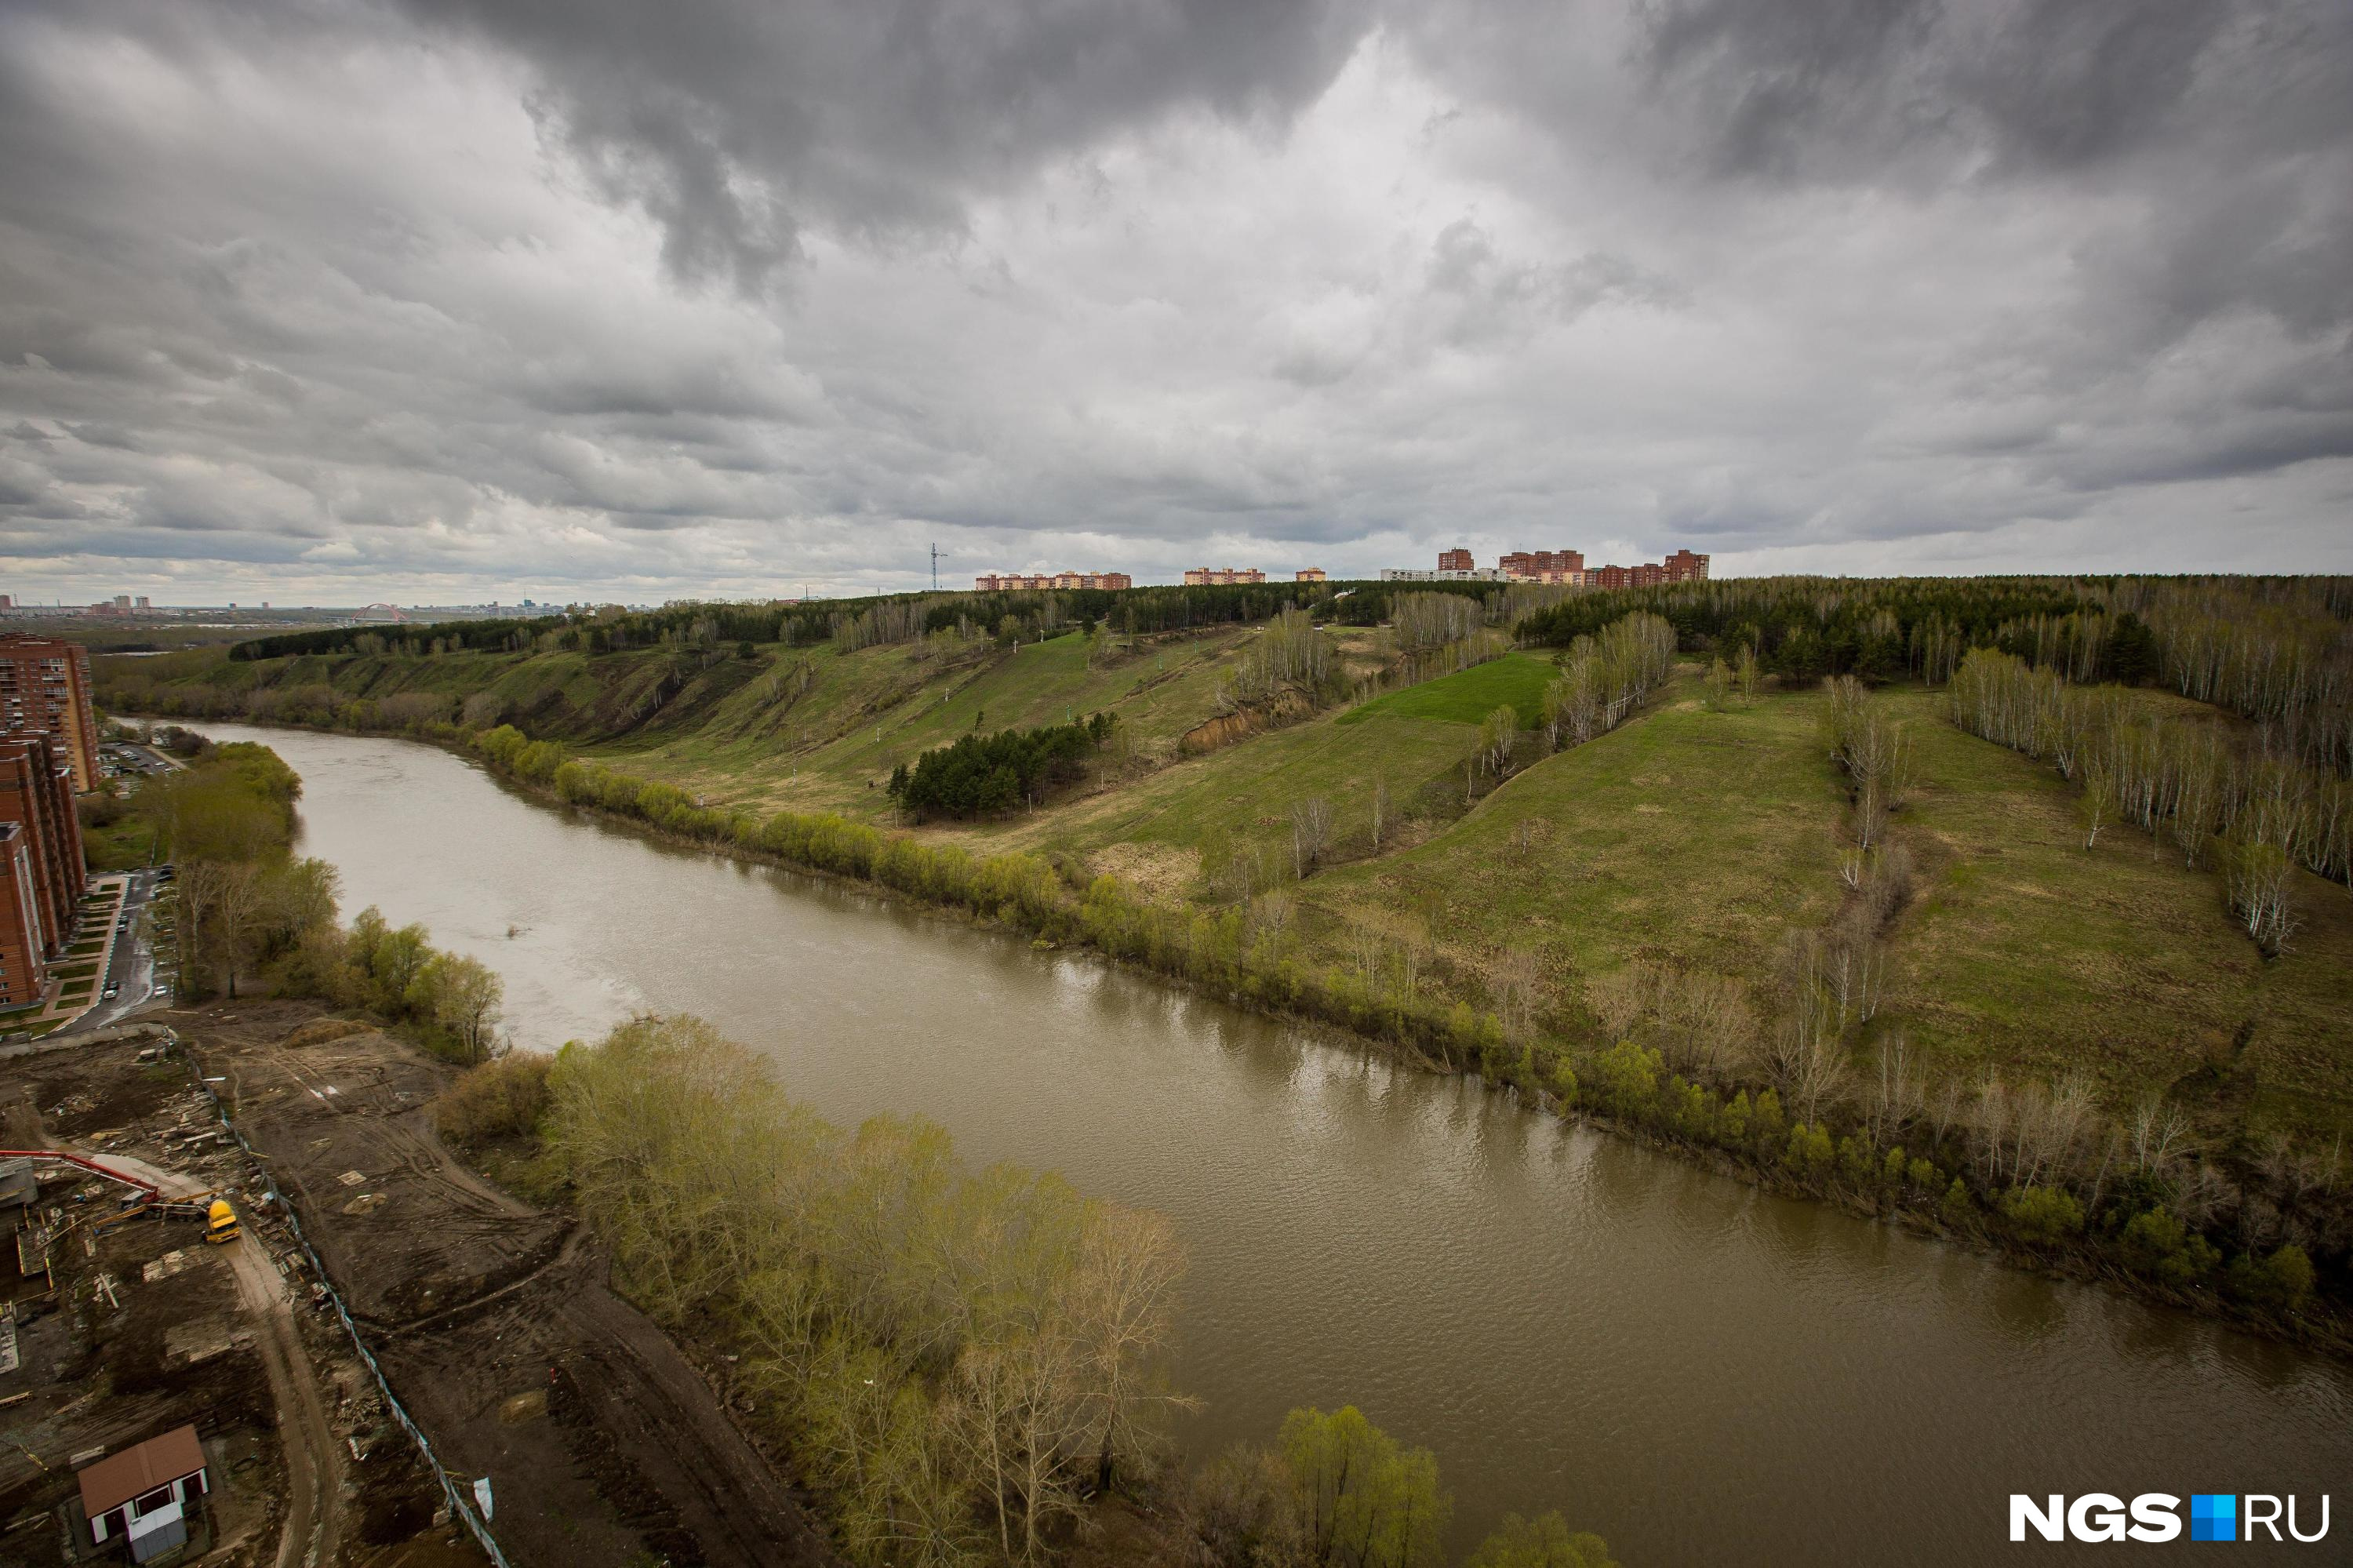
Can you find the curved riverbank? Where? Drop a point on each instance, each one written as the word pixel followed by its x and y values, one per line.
pixel 1697 1369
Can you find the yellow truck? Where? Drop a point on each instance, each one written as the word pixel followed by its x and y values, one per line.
pixel 220 1222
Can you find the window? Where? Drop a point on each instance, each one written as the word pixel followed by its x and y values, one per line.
pixel 159 1499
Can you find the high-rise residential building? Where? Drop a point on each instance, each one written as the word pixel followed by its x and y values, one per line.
pixel 1310 575
pixel 24 943
pixel 45 690
pixel 1454 560
pixel 1544 565
pixel 141 604
pixel 1223 577
pixel 37 799
pixel 1683 566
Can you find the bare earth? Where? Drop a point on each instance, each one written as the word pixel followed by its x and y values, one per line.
pixel 491 1318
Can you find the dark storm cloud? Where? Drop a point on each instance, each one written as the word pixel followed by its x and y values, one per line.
pixel 735 122
pixel 739 293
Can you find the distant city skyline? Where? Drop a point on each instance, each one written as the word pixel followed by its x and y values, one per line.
pixel 409 303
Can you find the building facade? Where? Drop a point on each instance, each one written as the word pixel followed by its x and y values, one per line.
pixel 1223 577
pixel 1683 566
pixel 1309 575
pixel 1014 582
pixel 45 690
pixel 144 1494
pixel 36 795
pixel 1446 575
pixel 24 936
pixel 1544 565
pixel 1455 560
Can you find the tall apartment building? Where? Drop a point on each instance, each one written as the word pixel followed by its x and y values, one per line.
pixel 1223 577
pixel 1683 566
pixel 23 936
pixel 1454 560
pixel 1309 575
pixel 37 799
pixel 45 690
pixel 1542 565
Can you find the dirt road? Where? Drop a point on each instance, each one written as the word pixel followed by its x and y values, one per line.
pixel 314 1469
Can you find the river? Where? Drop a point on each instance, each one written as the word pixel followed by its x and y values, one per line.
pixel 1699 1371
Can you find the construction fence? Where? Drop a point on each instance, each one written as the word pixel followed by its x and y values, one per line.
pixel 460 1504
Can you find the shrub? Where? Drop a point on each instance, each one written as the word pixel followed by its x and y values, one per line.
pixel 1809 1151
pixel 2157 1245
pixel 500 1100
pixel 2045 1216
pixel 1958 1206
pixel 2283 1280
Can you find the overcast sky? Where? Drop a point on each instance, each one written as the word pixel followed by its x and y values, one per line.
pixel 441 300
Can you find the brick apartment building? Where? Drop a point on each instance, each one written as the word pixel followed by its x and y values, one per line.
pixel 1544 565
pixel 1682 566
pixel 1014 582
pixel 1223 577
pixel 1454 560
pixel 24 936
pixel 41 864
pixel 37 793
pixel 1309 575
pixel 45 690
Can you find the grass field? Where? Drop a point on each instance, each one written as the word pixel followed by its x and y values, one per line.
pixel 120 845
pixel 1469 695
pixel 1705 841
pixel 1685 837
pixel 2027 952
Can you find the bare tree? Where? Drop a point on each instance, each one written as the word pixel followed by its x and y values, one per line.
pixel 2156 1135
pixel 240 899
pixel 1619 1000
pixel 1122 1301
pixel 1515 985
pixel 1311 830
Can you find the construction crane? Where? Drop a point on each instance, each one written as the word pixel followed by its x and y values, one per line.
pixel 149 1192
pixel 145 1196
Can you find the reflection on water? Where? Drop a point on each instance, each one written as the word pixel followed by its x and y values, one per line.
pixel 1698 1370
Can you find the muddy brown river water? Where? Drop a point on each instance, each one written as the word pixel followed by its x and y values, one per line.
pixel 1699 1371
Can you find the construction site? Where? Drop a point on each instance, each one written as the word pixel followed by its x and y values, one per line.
pixel 239 1220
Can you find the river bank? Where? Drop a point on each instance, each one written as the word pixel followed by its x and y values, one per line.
pixel 1932 1193
pixel 1521 1294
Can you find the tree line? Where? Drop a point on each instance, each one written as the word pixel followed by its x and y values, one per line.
pixel 2252 813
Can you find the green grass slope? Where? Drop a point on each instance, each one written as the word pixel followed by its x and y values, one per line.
pixel 1684 837
pixel 1468 697
pixel 819 726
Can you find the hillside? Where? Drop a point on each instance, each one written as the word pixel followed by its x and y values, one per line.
pixel 1698 840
